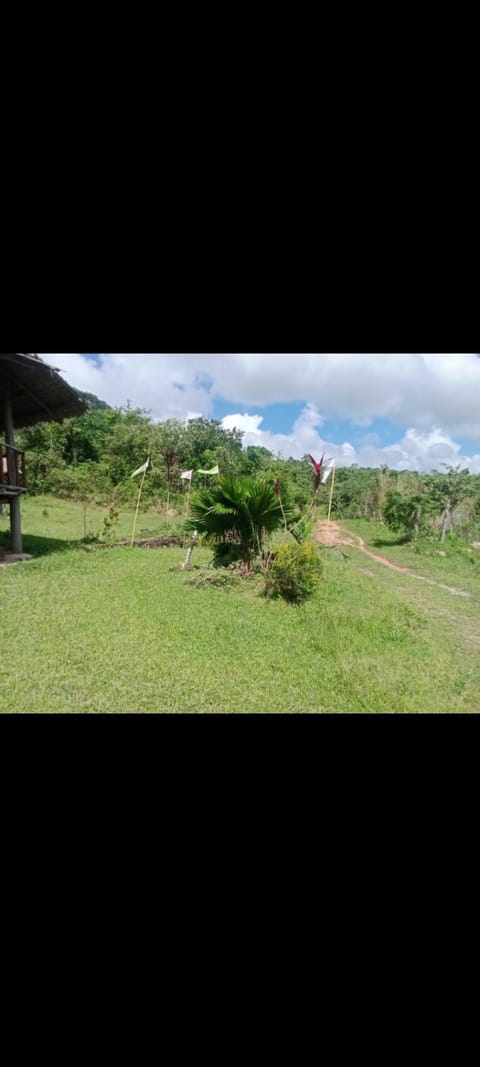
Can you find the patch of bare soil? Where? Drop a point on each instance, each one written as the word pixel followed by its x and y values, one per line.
pixel 330 534
pixel 149 542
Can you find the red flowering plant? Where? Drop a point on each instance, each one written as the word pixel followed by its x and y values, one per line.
pixel 317 470
pixel 321 471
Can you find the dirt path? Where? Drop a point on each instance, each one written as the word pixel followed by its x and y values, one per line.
pixel 330 533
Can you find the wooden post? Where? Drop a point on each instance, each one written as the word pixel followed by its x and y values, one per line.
pixel 15 520
pixel 188 498
pixel 188 557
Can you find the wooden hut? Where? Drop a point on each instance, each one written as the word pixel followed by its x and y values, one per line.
pixel 30 391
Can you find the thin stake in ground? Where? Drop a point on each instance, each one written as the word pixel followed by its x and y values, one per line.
pixel 138 503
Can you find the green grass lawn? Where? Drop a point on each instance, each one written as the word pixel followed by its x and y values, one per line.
pixel 50 524
pixel 423 558
pixel 104 630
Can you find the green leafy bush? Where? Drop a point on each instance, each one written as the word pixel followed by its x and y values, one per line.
pixel 295 572
pixel 406 515
pixel 110 523
pixel 425 546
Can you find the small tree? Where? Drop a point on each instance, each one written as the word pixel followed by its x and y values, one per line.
pixel 447 492
pixel 405 514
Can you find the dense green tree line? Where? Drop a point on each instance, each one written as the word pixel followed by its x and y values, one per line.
pixel 91 458
pixel 410 503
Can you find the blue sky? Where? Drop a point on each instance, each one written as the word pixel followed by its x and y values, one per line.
pixel 410 411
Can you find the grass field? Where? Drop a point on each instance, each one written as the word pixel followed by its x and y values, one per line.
pixel 92 629
pixel 50 524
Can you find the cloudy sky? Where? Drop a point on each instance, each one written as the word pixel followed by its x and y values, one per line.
pixel 408 411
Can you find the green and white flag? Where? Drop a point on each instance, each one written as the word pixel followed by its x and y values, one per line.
pixel 141 469
pixel 214 470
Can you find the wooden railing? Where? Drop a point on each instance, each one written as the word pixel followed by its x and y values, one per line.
pixel 12 468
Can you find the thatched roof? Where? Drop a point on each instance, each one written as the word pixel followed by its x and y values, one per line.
pixel 37 391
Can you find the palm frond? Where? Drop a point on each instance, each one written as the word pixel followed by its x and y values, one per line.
pixel 247 507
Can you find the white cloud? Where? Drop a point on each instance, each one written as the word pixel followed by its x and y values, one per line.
pixel 412 390
pixel 413 451
pixel 165 385
pixel 247 423
pixel 422 392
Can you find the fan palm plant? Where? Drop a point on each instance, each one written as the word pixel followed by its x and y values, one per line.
pixel 245 509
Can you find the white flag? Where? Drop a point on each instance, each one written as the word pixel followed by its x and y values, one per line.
pixel 140 469
pixel 327 470
pixel 187 475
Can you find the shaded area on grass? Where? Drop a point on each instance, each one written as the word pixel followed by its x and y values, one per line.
pixel 42 546
pixel 379 542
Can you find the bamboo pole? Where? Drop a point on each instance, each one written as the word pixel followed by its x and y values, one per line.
pixel 138 503
pixel 187 512
pixel 331 490
pixel 188 498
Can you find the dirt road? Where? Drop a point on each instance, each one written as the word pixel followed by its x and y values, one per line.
pixel 330 534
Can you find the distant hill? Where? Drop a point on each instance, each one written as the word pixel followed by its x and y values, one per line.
pixel 93 401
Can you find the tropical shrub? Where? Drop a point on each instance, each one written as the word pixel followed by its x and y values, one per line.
pixel 405 514
pixel 295 572
pixel 236 511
